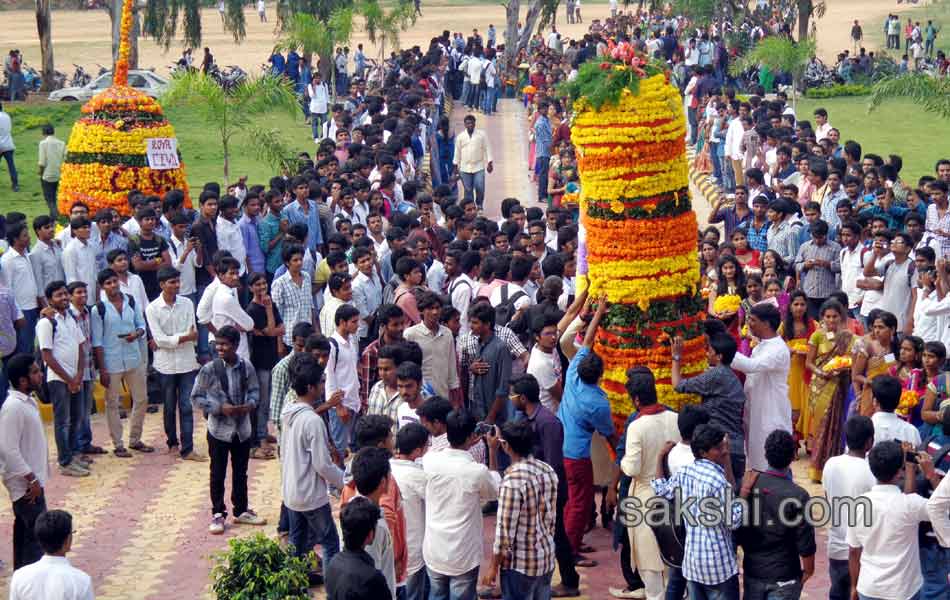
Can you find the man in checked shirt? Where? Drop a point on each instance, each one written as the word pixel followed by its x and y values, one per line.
pixel 524 528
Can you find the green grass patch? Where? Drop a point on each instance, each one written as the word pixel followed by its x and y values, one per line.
pixel 197 141
pixel 897 127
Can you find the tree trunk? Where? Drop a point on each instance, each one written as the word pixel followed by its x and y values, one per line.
pixel 805 8
pixel 530 20
pixel 512 11
pixel 44 29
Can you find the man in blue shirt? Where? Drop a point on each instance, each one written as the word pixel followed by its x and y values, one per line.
pixel 584 409
pixel 304 210
pixel 542 150
pixel 117 324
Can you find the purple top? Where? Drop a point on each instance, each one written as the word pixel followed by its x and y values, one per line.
pixel 252 244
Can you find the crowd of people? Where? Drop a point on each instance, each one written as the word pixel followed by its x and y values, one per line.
pixel 420 365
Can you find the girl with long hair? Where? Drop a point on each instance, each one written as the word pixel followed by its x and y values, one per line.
pixel 874 355
pixel 796 329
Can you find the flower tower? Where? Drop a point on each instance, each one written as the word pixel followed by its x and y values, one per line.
pixel 638 230
pixel 106 155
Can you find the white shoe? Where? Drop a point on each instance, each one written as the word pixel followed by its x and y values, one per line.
pixel 217 524
pixel 621 593
pixel 249 517
pixel 74 469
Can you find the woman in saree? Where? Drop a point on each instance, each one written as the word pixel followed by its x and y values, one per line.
pixel 796 329
pixel 823 420
pixel 874 355
pixel 910 371
pixel 730 281
pixel 938 388
pixel 754 294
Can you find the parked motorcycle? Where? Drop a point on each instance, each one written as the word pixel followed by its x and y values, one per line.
pixel 228 78
pixel 80 77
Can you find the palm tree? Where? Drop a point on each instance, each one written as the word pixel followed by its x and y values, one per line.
pixel 237 111
pixel 309 35
pixel 930 93
pixel 779 54
pixel 383 27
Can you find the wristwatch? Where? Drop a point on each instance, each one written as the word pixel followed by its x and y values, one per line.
pixel 676 357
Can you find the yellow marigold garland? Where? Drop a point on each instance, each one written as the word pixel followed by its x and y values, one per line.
pixel 631 153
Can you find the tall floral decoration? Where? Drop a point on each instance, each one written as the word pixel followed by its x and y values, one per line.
pixel 639 239
pixel 106 154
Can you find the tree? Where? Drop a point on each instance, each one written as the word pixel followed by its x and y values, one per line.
pixel 514 43
pixel 44 29
pixel 930 93
pixel 806 10
pixel 779 54
pixel 234 112
pixel 162 18
pixel 308 34
pixel 383 27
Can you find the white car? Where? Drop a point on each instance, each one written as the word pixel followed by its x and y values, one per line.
pixel 144 81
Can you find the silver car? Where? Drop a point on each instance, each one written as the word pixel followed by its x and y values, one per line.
pixel 144 81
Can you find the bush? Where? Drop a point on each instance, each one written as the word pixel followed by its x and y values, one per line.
pixel 257 568
pixel 839 89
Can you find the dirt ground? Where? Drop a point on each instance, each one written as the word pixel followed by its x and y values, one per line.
pixel 82 37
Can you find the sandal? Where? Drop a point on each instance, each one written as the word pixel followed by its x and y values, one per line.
pixel 141 447
pixel 262 453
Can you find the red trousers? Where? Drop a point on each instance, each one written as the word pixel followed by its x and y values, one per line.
pixel 580 497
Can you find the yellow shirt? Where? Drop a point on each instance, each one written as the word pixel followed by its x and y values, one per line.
pixel 472 153
pixel 51 154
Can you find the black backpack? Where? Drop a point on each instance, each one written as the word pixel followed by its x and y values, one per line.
pixel 221 373
pixel 506 309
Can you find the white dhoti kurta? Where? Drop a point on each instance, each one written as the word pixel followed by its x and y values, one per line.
pixel 767 406
pixel 646 437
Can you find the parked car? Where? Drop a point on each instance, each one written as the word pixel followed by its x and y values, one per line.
pixel 144 81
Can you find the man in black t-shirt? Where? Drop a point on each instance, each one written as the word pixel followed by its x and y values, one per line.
pixel 778 556
pixel 204 230
pixel 266 345
pixel 149 252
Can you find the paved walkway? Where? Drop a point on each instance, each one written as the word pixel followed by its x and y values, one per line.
pixel 141 523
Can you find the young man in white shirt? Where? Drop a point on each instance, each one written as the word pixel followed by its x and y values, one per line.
pixel 52 576
pixel 16 273
pixel 513 292
pixel 187 255
pixel 24 455
pixel 229 233
pixel 341 374
pixel 545 364
pixel 79 258
pixel 60 340
pixel 171 321
pixel 412 441
pixel 367 293
pixel 851 266
pixel 226 310
pixel 457 487
pixel 341 293
pixel 846 476
pixel 887 425
pixel 884 553
pixel 462 289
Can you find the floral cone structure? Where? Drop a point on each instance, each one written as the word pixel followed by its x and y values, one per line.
pixel 106 154
pixel 639 233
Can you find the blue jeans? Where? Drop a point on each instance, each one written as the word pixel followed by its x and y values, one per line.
pixel 474 186
pixel 176 394
pixel 67 417
pixel 307 529
pixel 452 587
pixel 728 176
pixel 716 160
pixel 204 348
pixel 341 432
pixel 518 586
pixel 417 585
pixel 26 335
pixel 541 166
pixel 466 91
pixel 764 589
pixel 727 590
pixel 488 101
pixel 262 413
pixel 840 579
pixel 8 156
pixel 316 124
pixel 935 567
pixel 676 586
pixel 83 438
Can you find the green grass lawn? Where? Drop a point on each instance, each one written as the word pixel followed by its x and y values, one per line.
pixel 897 127
pixel 200 151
